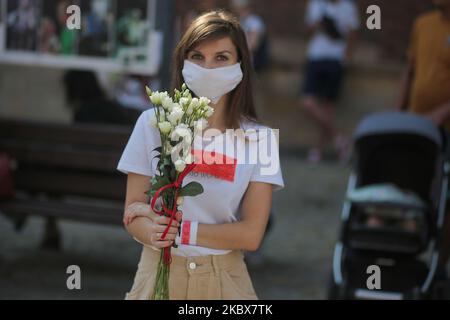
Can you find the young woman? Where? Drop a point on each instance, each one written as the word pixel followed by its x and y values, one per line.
pixel 230 216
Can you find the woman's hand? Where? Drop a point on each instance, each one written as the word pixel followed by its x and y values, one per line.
pixel 138 209
pixel 157 228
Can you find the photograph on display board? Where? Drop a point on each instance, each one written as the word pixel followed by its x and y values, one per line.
pixel 97 28
pixel 22 22
pixel 54 36
pixel 112 35
pixel 132 30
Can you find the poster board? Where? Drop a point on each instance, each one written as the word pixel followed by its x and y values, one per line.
pixel 114 35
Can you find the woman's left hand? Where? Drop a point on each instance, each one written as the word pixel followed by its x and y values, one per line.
pixel 138 209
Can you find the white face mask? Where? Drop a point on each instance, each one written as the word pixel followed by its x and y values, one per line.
pixel 211 83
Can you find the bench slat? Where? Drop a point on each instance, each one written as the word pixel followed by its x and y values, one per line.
pixel 85 134
pixel 78 212
pixel 61 155
pixel 53 182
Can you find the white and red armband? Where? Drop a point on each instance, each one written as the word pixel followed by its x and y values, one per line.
pixel 188 233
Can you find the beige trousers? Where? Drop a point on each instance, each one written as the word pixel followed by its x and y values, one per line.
pixel 211 277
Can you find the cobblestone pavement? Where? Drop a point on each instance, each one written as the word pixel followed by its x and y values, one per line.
pixel 297 252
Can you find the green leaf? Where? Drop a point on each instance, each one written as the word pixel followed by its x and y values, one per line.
pixel 162 181
pixel 192 189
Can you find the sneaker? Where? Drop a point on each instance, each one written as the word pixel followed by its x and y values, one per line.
pixel 342 146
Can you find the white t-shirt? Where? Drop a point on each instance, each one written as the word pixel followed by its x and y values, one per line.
pixel 344 13
pixel 221 199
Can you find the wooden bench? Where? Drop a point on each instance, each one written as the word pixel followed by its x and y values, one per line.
pixel 64 172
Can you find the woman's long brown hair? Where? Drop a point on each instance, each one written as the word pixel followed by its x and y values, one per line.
pixel 216 25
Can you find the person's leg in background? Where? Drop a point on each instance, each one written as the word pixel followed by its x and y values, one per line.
pixel 310 102
pixel 315 109
pixel 332 88
pixel 321 91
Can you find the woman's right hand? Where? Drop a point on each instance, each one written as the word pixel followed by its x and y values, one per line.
pixel 158 224
pixel 157 228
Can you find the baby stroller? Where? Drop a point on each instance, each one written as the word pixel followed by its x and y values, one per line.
pixel 406 152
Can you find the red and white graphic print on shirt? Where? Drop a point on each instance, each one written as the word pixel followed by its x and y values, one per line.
pixel 214 163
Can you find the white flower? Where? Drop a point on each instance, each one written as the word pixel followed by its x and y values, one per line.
pixel 188 139
pixel 176 114
pixel 192 106
pixel 168 147
pixel 164 95
pixel 189 159
pixel 162 115
pixel 201 124
pixel 195 103
pixel 182 130
pixel 184 102
pixel 167 103
pixel 204 101
pixel 209 112
pixel 165 127
pixel 148 91
pixel 189 110
pixel 153 122
pixel 180 165
pixel 180 201
pixel 155 98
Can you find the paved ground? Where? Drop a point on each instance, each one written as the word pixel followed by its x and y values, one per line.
pixel 297 252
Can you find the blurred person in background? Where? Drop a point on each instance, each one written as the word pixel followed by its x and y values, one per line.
pixel 94 32
pixel 22 23
pixel 131 92
pixel 426 83
pixel 67 37
pixel 131 28
pixel 332 26
pixel 48 38
pixel 87 98
pixel 256 32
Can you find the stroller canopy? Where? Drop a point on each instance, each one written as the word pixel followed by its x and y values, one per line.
pixel 398 123
pixel 399 148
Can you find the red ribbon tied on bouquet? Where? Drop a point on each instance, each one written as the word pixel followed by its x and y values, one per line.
pixel 171 213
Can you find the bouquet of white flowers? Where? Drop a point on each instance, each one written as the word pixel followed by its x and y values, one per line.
pixel 178 119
